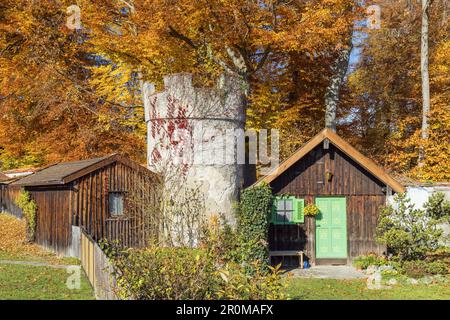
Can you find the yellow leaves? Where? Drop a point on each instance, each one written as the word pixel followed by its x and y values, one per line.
pixel 404 150
pixel 112 82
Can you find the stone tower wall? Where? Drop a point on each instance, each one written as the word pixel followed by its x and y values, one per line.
pixel 191 139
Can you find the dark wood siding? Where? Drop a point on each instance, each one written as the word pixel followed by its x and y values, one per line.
pixel 8 195
pixel 306 179
pixel 84 202
pixel 307 176
pixel 91 204
pixel 53 223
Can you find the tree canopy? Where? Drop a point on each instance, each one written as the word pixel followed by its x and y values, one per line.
pixel 69 94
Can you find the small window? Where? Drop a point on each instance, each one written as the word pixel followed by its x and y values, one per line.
pixel 116 203
pixel 285 210
pixel 288 210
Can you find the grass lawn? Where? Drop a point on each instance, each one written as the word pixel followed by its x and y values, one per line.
pixel 22 282
pixel 329 289
pixel 26 282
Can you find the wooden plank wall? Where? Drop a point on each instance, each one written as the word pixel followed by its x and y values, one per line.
pixel 8 195
pixel 91 204
pixel 362 219
pixel 306 179
pixel 53 223
pixel 307 176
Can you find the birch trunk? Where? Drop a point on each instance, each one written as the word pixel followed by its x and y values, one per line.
pixel 425 79
pixel 339 69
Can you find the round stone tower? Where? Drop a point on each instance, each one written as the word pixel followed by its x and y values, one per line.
pixel 196 140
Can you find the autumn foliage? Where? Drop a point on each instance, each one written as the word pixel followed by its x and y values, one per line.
pixel 15 246
pixel 70 94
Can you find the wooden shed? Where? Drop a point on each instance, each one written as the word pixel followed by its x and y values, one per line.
pixel 94 194
pixel 8 195
pixel 347 187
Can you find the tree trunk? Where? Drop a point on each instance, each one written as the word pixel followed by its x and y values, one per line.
pixel 425 80
pixel 339 69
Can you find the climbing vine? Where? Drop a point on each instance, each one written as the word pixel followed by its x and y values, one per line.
pixel 28 207
pixel 253 222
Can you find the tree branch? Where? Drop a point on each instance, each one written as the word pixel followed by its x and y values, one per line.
pixel 174 33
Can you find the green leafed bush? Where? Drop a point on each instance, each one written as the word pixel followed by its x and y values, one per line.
pixel 408 233
pixel 28 207
pixel 437 207
pixel 363 262
pixel 163 273
pixel 421 268
pixel 184 273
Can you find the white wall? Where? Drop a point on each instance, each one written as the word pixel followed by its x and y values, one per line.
pixel 419 196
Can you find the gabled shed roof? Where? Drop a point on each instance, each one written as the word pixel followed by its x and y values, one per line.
pixel 345 147
pixel 63 173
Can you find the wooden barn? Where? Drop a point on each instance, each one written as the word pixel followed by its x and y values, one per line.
pixel 105 196
pixel 347 187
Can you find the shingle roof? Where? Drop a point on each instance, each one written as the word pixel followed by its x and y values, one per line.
pixel 56 174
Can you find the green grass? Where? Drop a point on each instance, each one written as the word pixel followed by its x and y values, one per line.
pixel 329 289
pixel 50 259
pixel 22 282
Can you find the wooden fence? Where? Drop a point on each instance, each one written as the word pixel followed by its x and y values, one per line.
pixel 97 268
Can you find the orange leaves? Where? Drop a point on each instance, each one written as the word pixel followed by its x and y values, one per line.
pixel 13 244
pixel 387 98
pixel 13 238
pixel 404 148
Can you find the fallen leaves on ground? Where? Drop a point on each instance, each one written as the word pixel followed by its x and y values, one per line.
pixel 14 246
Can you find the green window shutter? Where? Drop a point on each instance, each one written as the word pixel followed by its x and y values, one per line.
pixel 299 217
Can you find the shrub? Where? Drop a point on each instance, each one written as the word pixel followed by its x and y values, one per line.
pixel 363 262
pixel 28 207
pixel 228 264
pixel 163 273
pixel 237 284
pixel 437 267
pixel 421 268
pixel 442 254
pixel 253 217
pixel 437 207
pixel 408 233
pixel 185 273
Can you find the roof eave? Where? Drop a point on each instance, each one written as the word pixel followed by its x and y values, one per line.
pixel 40 184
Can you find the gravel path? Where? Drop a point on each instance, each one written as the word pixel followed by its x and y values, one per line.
pixel 329 272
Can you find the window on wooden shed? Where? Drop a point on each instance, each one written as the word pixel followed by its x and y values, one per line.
pixel 116 203
pixel 287 210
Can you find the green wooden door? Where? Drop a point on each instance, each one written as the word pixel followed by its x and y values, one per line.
pixel 331 228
